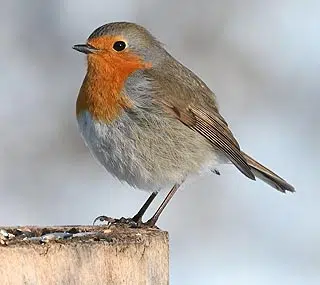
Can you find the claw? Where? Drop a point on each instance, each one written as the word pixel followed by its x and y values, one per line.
pixel 122 221
pixel 106 219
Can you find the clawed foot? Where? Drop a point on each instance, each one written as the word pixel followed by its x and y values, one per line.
pixel 112 221
pixel 129 222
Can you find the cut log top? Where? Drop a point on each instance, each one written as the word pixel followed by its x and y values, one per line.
pixel 83 255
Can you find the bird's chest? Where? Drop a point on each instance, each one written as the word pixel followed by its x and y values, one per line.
pixel 120 148
pixel 102 98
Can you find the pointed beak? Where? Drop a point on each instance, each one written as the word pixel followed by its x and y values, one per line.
pixel 85 48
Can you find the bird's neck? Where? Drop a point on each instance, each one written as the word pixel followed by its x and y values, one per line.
pixel 101 93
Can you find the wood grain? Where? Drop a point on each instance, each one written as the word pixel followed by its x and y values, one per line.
pixel 86 255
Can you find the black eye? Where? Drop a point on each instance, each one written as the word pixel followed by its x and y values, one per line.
pixel 119 45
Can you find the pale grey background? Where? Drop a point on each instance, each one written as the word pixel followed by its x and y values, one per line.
pixel 262 60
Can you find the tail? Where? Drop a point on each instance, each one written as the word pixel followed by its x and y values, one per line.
pixel 267 175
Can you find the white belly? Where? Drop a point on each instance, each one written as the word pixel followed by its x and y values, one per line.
pixel 148 155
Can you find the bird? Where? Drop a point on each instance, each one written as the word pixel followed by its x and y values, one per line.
pixel 149 120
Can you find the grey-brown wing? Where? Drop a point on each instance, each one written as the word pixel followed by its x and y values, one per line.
pixel 190 100
pixel 214 128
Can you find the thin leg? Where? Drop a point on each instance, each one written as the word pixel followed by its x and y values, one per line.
pixel 151 222
pixel 138 217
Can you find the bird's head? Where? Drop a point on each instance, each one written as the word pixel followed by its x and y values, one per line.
pixel 121 46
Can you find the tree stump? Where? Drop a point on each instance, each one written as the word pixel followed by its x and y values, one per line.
pixel 86 255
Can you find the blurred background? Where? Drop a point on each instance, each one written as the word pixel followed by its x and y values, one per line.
pixel 261 58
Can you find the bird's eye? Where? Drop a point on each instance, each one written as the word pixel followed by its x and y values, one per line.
pixel 119 45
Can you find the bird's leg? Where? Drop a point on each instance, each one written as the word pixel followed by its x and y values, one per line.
pixel 152 221
pixel 136 220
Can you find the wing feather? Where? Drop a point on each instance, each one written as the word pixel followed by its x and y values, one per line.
pixel 215 130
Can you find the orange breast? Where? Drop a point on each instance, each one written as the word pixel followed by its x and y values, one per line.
pixel 102 98
pixel 102 91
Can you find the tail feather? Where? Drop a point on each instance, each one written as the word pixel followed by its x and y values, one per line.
pixel 267 175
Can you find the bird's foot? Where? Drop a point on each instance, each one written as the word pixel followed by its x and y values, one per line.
pixel 127 222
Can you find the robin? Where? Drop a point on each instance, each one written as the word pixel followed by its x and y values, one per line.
pixel 149 120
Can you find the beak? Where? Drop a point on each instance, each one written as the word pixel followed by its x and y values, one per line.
pixel 85 48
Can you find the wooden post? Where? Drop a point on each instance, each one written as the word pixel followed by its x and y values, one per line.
pixel 91 255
